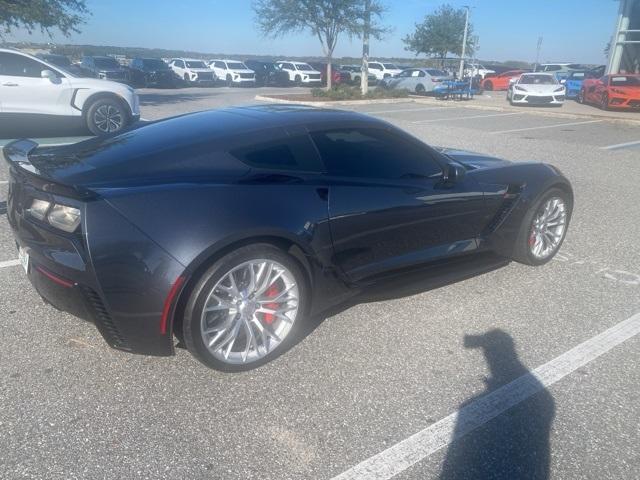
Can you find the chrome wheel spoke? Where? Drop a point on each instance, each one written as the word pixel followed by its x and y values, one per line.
pixel 548 228
pixel 250 311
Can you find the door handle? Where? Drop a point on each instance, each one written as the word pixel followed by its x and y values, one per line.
pixel 9 84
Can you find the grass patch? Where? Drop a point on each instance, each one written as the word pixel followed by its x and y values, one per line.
pixel 346 92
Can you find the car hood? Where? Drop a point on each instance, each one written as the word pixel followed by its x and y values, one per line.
pixel 540 89
pixel 100 84
pixel 473 160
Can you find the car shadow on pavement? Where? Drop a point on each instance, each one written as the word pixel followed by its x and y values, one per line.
pixel 169 98
pixel 3 208
pixel 513 445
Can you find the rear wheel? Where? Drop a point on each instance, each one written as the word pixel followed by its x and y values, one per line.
pixel 488 85
pixel 356 80
pixel 580 97
pixel 420 90
pixel 246 308
pixel 544 228
pixel 107 116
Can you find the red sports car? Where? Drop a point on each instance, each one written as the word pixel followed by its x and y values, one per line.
pixel 612 91
pixel 500 81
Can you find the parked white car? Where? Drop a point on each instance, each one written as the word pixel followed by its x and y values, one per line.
pixel 536 89
pixel 30 87
pixel 355 74
pixel 300 73
pixel 416 80
pixel 233 72
pixel 193 71
pixel 474 69
pixel 383 70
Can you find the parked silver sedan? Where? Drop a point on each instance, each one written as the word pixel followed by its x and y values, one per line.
pixel 418 80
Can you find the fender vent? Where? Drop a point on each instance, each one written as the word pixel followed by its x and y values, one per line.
pixel 103 320
pixel 503 212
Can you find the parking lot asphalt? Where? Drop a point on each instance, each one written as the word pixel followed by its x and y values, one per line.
pixel 378 370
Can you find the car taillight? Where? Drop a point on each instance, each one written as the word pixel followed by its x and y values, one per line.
pixel 62 217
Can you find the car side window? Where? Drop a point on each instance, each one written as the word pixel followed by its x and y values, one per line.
pixel 13 65
pixel 375 66
pixel 405 74
pixel 373 153
pixel 288 153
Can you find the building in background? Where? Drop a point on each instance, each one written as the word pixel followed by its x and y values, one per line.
pixel 624 54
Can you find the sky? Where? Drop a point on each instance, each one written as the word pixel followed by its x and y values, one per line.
pixel 572 30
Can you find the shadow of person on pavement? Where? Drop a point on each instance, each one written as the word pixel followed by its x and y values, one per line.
pixel 515 444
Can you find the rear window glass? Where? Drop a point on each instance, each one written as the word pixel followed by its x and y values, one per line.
pixel 290 153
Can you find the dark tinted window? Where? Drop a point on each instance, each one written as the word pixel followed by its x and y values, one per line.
pixel 373 153
pixel 293 153
pixel 153 64
pixel 105 62
pixel 20 66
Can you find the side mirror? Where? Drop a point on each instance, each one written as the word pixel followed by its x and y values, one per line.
pixel 48 74
pixel 563 81
pixel 454 173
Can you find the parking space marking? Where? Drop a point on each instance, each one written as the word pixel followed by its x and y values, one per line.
pixel 404 110
pixel 410 451
pixel 471 117
pixel 9 263
pixel 621 146
pixel 546 126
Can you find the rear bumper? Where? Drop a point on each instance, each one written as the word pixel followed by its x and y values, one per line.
pixel 115 277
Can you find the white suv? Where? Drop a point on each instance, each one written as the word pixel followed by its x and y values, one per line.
pixel 300 73
pixel 31 86
pixel 383 70
pixel 193 71
pixel 233 72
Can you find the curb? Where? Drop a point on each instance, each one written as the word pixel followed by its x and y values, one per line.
pixel 450 104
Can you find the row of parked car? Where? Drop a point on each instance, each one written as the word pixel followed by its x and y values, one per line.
pixel 154 72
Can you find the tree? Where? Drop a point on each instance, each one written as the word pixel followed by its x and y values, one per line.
pixel 326 19
pixel 440 34
pixel 65 15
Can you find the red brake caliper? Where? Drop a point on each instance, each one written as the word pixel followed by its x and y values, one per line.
pixel 272 292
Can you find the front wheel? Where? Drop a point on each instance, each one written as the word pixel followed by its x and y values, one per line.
pixel 604 102
pixel 246 308
pixel 544 228
pixel 229 81
pixel 580 97
pixel 488 86
pixel 106 116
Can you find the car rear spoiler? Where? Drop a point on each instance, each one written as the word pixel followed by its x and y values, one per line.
pixel 16 154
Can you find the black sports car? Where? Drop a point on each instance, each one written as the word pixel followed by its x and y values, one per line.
pixel 227 228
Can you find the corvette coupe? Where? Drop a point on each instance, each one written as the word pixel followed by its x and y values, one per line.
pixel 612 91
pixel 500 81
pixel 228 228
pixel 536 89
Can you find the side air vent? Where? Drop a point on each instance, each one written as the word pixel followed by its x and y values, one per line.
pixel 503 212
pixel 103 320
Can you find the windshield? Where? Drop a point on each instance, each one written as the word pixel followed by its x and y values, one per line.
pixel 537 80
pixel 106 63
pixel 303 67
pixel 154 64
pixel 195 64
pixel 236 66
pixel 577 75
pixel 390 66
pixel 623 81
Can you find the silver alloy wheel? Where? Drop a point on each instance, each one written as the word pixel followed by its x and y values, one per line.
pixel 250 311
pixel 108 118
pixel 548 228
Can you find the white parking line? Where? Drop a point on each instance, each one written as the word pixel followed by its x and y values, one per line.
pixel 621 145
pixel 410 451
pixel 9 263
pixel 545 126
pixel 420 122
pixel 403 110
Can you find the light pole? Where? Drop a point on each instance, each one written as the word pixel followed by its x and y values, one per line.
pixel 464 42
pixel 538 53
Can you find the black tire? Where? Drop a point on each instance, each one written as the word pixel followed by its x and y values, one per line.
pixel 580 97
pixel 356 80
pixel 488 85
pixel 117 113
pixel 298 80
pixel 200 292
pixel 420 90
pixel 229 81
pixel 522 250
pixel 604 101
pixel 187 81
